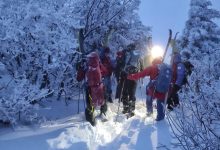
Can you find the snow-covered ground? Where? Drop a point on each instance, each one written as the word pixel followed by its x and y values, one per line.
pixel 65 129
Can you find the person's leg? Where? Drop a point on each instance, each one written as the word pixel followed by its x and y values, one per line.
pixel 176 97
pixel 131 92
pixel 124 98
pixel 103 108
pixel 89 111
pixel 119 89
pixel 160 110
pixel 149 105
pixel 170 103
pixel 109 89
pixel 105 81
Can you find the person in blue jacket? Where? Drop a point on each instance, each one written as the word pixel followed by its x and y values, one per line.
pixel 178 69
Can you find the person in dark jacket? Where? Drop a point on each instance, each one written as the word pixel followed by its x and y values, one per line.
pixel 152 71
pixel 133 64
pixel 177 81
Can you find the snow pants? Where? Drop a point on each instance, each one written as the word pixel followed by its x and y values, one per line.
pixel 89 111
pixel 108 88
pixel 128 95
pixel 160 107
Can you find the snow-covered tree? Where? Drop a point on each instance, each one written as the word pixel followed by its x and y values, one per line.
pixel 197 120
pixel 37 44
pixel 112 23
pixel 39 40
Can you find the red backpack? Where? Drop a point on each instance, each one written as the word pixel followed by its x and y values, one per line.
pixel 94 78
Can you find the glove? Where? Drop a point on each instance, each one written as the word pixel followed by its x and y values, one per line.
pixel 124 75
pixel 131 77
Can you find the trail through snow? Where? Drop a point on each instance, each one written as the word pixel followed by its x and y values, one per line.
pixel 65 129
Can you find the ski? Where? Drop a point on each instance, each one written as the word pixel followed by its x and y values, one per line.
pixel 168 43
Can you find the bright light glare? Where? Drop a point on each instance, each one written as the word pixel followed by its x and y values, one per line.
pixel 156 51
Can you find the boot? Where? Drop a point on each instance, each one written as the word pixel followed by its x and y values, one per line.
pixel 90 117
pixel 124 111
pixel 110 100
pixel 103 109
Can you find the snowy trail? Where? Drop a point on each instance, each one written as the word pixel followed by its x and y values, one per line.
pixel 74 132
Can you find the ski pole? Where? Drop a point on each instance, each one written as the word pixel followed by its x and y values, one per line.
pixel 122 88
pixel 141 92
pixel 84 98
pixel 79 98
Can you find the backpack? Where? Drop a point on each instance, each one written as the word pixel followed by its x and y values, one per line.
pixel 133 60
pixel 188 71
pixel 94 79
pixel 163 80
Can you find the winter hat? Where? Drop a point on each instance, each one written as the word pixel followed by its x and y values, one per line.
pixel 157 60
pixel 93 59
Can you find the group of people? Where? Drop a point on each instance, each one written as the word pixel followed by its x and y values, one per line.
pixel 127 69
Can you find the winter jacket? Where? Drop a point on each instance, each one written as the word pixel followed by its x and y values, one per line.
pixel 91 63
pixel 151 71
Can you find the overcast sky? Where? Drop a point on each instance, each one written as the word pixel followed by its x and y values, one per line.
pixel 165 14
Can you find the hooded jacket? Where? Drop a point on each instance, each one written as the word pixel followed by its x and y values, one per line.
pixel 151 71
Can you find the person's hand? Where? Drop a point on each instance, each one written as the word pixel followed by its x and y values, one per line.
pixel 131 77
pixel 124 75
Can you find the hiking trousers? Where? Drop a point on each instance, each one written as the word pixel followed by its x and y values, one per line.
pixel 128 95
pixel 160 107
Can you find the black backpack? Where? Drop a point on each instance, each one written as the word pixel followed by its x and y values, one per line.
pixel 188 71
pixel 133 62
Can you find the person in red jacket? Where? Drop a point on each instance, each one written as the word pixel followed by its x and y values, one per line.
pixel 93 72
pixel 152 71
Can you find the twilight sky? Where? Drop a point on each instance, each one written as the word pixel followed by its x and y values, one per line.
pixel 166 14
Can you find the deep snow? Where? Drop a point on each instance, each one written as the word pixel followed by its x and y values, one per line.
pixel 65 129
